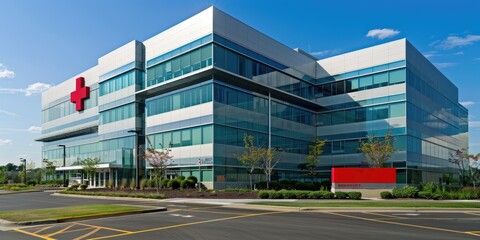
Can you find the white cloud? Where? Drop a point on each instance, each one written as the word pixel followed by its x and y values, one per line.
pixel 36 88
pixel 431 54
pixel 467 103
pixel 31 89
pixel 6 73
pixel 474 124
pixel 34 129
pixel 325 53
pixel 444 65
pixel 382 33
pixel 458 53
pixel 456 41
pixel 5 142
pixel 8 113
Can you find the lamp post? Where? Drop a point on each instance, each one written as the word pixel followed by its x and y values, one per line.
pixel 137 160
pixel 64 165
pixel 199 173
pixel 24 161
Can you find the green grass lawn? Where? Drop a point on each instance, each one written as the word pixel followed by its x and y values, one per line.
pixel 64 212
pixel 373 204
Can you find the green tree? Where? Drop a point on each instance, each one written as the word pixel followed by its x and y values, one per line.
pixel 3 174
pixel 313 157
pixel 468 166
pixel 270 160
pixel 49 169
pixel 251 157
pixel 90 165
pixel 378 150
pixel 157 159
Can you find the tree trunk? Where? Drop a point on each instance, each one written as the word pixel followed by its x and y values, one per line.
pixel 251 185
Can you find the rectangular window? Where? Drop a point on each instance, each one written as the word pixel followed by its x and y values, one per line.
pixel 397 76
pixel 186 137
pixel 352 85
pixel 207 134
pixel 365 82
pixel 397 110
pixel 380 79
pixel 197 136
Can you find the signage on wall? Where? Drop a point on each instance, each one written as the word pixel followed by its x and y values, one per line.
pixel 80 94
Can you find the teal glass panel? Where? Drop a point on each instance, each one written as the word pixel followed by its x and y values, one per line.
pixel 397 76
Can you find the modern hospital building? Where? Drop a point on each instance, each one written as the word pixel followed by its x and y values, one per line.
pixel 204 83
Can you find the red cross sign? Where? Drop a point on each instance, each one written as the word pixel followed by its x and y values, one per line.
pixel 80 94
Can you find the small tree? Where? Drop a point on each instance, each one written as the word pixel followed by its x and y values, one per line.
pixel 251 157
pixel 270 160
pixel 378 151
pixel 312 160
pixel 3 174
pixel 49 169
pixel 90 166
pixel 467 165
pixel 158 160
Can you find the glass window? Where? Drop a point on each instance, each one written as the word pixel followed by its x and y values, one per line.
pixel 327 90
pixel 397 110
pixel 207 134
pixel 397 76
pixel 365 82
pixel 352 85
pixel 338 88
pixel 197 136
pixel 186 137
pixel 176 139
pixel 380 79
pixel 338 147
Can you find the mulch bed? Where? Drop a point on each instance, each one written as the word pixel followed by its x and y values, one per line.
pixel 185 193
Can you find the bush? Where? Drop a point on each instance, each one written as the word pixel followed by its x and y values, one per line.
pixel 83 186
pixel 287 184
pixel 132 184
pixel 164 182
pixel 341 195
pixel 276 195
pixel 275 185
pixel 32 183
pixel 143 183
pixel 123 183
pixel 193 178
pixel 405 192
pixel 425 194
pixel 315 195
pixel 173 184
pixel 326 185
pixel 236 190
pixel 386 195
pixel 180 178
pixel 328 195
pixel 264 194
pixel 289 194
pixel 355 195
pixel 187 183
pixel 430 187
pixel 300 186
pixel 73 187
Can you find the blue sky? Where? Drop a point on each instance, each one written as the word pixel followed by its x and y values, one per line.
pixel 42 43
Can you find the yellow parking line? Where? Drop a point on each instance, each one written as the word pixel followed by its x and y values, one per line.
pixel 471 213
pixel 77 230
pixel 189 224
pixel 33 234
pixel 59 231
pixel 43 229
pixel 87 234
pixel 106 228
pixel 397 223
pixel 474 233
pixel 384 215
pixel 206 211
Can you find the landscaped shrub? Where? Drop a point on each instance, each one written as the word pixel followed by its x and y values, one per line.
pixel 193 178
pixel 287 184
pixel 123 183
pixel 405 192
pixel 425 195
pixel 276 195
pixel 300 186
pixel 315 195
pixel 143 183
pixel 386 195
pixel 73 187
pixel 430 187
pixel 132 184
pixel 32 183
pixel 341 195
pixel 187 183
pixel 173 184
pixel 275 185
pixel 83 186
pixel 164 182
pixel 289 194
pixel 180 178
pixel 236 190
pixel 264 194
pixel 328 195
pixel 326 185
pixel 355 195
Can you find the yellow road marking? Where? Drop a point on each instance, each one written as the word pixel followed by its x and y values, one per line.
pixel 474 233
pixel 189 224
pixel 43 229
pixel 77 230
pixel 87 234
pixel 60 231
pixel 397 223
pixel 106 228
pixel 33 234
pixel 384 215
pixel 460 219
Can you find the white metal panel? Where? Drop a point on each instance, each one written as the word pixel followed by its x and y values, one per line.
pixel 114 96
pixel 117 58
pixel 116 126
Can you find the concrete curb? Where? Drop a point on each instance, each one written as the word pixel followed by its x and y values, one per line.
pixel 18 192
pixel 95 216
pixel 107 197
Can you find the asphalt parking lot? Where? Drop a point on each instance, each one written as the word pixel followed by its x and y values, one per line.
pixel 196 221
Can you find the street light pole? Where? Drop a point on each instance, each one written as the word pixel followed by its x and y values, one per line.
pixel 64 165
pixel 137 160
pixel 199 173
pixel 24 161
